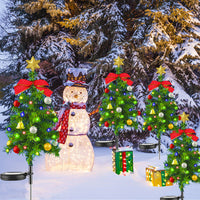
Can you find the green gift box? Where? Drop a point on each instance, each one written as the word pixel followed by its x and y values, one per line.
pixel 122 160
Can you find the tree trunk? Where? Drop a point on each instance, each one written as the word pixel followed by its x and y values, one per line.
pixel 159 147
pixel 117 141
pixel 30 179
pixel 182 195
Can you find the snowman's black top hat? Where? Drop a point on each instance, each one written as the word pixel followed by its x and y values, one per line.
pixel 76 77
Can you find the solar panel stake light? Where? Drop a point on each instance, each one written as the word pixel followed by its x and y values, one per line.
pixel 18 176
pixel 170 198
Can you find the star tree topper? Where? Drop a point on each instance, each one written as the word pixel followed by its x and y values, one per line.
pixel 118 61
pixel 33 64
pixel 184 117
pixel 160 70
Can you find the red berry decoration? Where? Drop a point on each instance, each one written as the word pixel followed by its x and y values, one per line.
pixel 16 149
pixel 149 97
pixel 179 117
pixel 106 124
pixel 16 103
pixel 149 128
pixel 171 146
pixel 106 90
pixel 171 179
pixel 139 113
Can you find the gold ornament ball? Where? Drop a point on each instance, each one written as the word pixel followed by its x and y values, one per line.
pixel 194 177
pixel 101 119
pixel 21 97
pixel 8 143
pixel 170 126
pixel 122 127
pixel 7 150
pixel 144 123
pixel 129 122
pixel 47 146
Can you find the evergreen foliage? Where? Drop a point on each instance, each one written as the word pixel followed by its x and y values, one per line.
pixel 182 165
pixel 145 33
pixel 118 105
pixel 30 130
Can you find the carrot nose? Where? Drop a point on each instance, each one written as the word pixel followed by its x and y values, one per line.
pixel 75 96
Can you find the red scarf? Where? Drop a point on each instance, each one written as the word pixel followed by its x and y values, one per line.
pixel 63 121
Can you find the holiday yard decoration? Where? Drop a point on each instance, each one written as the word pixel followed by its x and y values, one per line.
pixel 160 114
pixel 122 159
pixel 118 105
pixel 183 161
pixel 157 177
pixel 76 153
pixel 118 109
pixel 32 118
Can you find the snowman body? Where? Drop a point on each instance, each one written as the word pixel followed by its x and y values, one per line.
pixel 76 153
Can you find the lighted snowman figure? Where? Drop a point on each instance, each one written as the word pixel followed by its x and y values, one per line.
pixel 76 152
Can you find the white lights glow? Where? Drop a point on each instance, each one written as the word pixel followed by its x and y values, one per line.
pixel 77 153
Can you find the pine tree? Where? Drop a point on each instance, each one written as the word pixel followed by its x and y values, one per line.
pixel 32 119
pixel 33 30
pixel 118 105
pixel 160 114
pixel 183 161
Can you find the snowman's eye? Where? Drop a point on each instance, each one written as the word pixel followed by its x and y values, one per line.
pixel 80 92
pixel 71 91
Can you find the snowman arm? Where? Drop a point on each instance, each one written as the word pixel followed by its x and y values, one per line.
pixel 95 111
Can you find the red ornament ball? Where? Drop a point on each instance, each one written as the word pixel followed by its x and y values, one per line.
pixel 16 103
pixel 171 146
pixel 113 122
pixel 138 112
pixel 150 97
pixel 178 178
pixel 154 116
pixel 182 145
pixel 106 90
pixel 106 124
pixel 179 117
pixel 30 102
pixel 16 149
pixel 171 179
pixel 23 132
pixel 24 147
pixel 48 112
pixel 149 128
pixel 155 126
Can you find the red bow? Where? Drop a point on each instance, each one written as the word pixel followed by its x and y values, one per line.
pixel 165 84
pixel 24 84
pixel 124 77
pixel 63 121
pixel 189 132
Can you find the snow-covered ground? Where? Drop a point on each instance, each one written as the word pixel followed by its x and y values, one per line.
pixel 100 184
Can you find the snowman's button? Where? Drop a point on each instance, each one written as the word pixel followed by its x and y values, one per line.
pixel 72 113
pixel 71 144
pixel 71 129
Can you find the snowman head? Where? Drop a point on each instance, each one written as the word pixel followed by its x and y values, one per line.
pixel 75 94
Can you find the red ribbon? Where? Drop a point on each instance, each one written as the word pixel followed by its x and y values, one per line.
pixel 124 77
pixel 124 161
pixel 63 121
pixel 189 132
pixel 24 84
pixel 165 84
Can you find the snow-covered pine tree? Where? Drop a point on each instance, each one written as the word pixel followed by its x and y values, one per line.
pixel 32 30
pixel 146 34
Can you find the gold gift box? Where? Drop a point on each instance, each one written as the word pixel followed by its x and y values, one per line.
pixel 157 177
